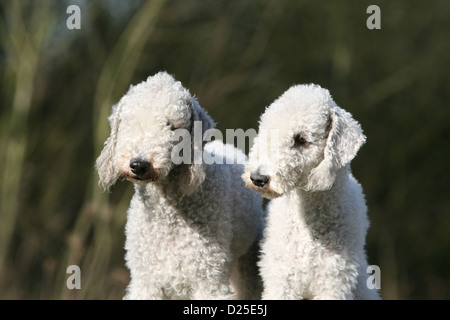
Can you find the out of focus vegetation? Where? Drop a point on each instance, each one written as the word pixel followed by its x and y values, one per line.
pixel 57 87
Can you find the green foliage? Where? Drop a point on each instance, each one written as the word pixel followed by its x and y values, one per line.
pixel 58 86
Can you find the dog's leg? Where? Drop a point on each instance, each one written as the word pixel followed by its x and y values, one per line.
pixel 213 291
pixel 245 278
pixel 144 292
pixel 336 278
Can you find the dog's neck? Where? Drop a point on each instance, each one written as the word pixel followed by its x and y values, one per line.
pixel 171 187
pixel 167 202
pixel 317 209
pixel 317 202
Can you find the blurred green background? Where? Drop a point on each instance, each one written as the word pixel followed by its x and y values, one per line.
pixel 58 85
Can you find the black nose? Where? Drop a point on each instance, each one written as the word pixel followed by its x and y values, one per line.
pixel 139 167
pixel 259 180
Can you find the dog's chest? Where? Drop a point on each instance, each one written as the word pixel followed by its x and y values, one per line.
pixel 305 238
pixel 167 242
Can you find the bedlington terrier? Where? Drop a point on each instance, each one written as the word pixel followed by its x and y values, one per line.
pixel 192 227
pixel 313 245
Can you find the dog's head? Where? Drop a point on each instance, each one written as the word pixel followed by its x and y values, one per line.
pixel 148 122
pixel 303 139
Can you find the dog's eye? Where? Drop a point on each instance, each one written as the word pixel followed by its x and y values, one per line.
pixel 299 140
pixel 171 126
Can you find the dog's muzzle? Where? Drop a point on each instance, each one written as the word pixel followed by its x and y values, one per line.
pixel 261 183
pixel 259 180
pixel 140 167
pixel 140 171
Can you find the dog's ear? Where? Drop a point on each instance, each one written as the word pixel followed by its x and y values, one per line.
pixel 199 114
pixel 345 138
pixel 107 172
pixel 196 171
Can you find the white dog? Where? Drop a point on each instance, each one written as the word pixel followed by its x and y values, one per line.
pixel 313 245
pixel 191 228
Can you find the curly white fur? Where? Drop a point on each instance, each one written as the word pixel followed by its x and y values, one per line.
pixel 191 229
pixel 313 246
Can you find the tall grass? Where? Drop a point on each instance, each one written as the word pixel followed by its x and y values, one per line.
pixel 22 51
